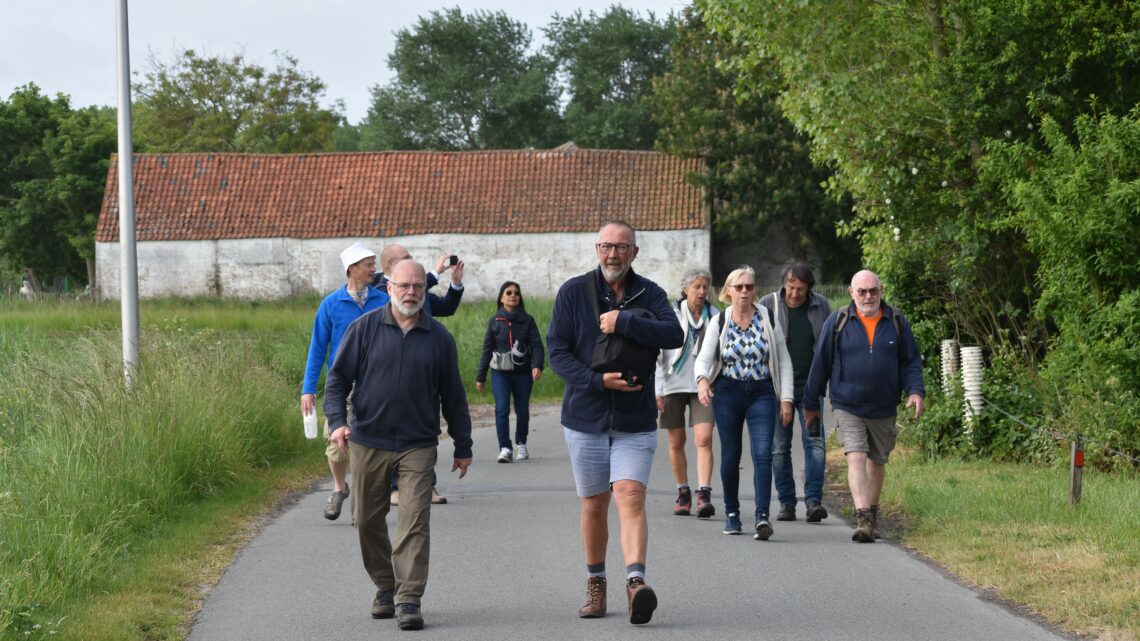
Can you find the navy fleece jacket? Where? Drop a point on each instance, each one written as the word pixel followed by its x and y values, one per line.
pixel 402 382
pixel 862 380
pixel 586 405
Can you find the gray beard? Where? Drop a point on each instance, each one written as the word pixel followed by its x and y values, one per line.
pixel 612 276
pixel 408 313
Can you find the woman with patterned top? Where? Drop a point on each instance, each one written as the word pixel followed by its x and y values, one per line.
pixel 741 374
pixel 512 348
pixel 676 388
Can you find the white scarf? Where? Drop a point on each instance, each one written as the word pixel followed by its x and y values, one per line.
pixel 687 324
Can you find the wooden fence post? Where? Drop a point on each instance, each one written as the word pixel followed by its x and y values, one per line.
pixel 1076 468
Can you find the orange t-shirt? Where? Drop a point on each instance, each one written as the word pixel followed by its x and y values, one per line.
pixel 869 324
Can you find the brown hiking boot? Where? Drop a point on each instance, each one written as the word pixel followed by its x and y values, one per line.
pixel 705 508
pixel 595 607
pixel 684 503
pixel 642 600
pixel 875 522
pixel 863 528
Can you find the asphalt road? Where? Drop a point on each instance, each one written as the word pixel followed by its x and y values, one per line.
pixel 506 563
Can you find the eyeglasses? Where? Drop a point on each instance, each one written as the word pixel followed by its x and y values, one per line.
pixel 743 287
pixel 872 292
pixel 510 293
pixel 620 248
pixel 404 287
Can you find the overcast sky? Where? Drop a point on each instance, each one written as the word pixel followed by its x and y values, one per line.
pixel 68 46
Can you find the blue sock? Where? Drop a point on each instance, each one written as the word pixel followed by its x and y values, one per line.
pixel 635 570
pixel 596 569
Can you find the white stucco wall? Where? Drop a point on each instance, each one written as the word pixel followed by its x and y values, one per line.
pixel 271 268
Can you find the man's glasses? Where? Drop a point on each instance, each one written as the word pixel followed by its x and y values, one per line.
pixel 620 248
pixel 404 287
pixel 874 291
pixel 743 287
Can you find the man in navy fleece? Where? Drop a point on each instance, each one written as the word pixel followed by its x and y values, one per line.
pixel 403 368
pixel 866 356
pixel 610 423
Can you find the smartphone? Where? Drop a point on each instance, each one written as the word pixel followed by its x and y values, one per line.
pixel 453 260
pixel 813 427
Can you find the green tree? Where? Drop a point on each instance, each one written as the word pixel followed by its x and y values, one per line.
pixel 608 63
pixel 53 164
pixel 464 82
pixel 210 103
pixel 901 99
pixel 757 168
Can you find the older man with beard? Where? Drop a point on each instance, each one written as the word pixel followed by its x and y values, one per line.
pixel 865 386
pixel 405 368
pixel 610 422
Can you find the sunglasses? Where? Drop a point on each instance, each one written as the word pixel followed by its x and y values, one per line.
pixel 743 287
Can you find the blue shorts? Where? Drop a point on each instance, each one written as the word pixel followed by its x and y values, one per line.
pixel 601 459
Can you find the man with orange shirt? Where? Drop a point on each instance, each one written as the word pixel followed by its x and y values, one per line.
pixel 867 358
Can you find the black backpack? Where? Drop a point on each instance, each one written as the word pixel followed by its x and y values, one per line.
pixel 842 316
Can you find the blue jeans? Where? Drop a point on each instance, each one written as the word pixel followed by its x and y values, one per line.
pixel 735 402
pixel 815 457
pixel 504 385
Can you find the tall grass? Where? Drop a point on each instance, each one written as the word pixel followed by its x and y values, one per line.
pixel 87 466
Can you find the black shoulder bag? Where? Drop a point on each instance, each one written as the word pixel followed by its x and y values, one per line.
pixel 616 353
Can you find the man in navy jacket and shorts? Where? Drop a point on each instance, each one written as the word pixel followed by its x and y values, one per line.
pixel 610 422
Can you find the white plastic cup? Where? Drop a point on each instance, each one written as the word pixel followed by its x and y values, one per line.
pixel 310 425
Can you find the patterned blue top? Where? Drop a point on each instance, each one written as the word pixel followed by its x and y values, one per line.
pixel 745 354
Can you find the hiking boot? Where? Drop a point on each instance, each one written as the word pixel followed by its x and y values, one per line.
pixel 394 499
pixel 332 507
pixel 684 502
pixel 505 455
pixel 705 508
pixel 522 454
pixel 409 617
pixel 595 607
pixel 787 512
pixel 642 600
pixel 732 524
pixel 763 529
pixel 437 498
pixel 875 522
pixel 382 605
pixel 816 512
pixel 863 528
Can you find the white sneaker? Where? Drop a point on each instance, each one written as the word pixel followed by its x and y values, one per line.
pixel 523 454
pixel 505 455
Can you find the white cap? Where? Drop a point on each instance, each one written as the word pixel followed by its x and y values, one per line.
pixel 354 254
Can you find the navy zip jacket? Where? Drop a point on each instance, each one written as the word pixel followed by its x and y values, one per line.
pixel 862 380
pixel 402 381
pixel 586 405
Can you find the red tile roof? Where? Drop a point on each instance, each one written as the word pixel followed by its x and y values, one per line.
pixel 213 196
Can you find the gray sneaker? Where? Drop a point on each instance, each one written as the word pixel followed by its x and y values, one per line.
pixel 332 506
pixel 382 606
pixel 409 617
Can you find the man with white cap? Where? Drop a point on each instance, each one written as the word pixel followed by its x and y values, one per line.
pixel 336 313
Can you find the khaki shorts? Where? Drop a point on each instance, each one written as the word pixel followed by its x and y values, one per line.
pixel 332 450
pixel 673 416
pixel 875 436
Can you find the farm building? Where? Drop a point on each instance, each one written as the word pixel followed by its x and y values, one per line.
pixel 271 226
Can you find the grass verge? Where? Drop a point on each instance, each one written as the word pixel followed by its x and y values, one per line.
pixel 158 587
pixel 1008 529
